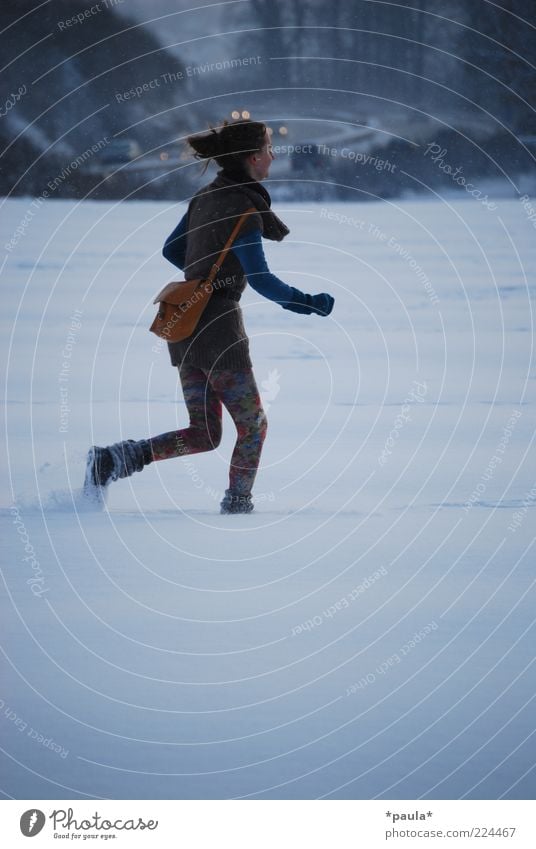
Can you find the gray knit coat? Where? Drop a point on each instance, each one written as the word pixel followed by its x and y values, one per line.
pixel 220 340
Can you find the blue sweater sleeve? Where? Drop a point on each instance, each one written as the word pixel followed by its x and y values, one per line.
pixel 174 248
pixel 248 249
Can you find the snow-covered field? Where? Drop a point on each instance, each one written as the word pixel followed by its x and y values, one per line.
pixel 368 631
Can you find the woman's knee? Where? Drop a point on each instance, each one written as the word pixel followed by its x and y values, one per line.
pixel 207 435
pixel 213 433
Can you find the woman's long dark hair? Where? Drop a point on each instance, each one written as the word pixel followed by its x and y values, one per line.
pixel 231 144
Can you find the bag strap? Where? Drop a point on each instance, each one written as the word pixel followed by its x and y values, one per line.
pixel 219 262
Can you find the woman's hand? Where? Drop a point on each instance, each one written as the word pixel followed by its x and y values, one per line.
pixel 323 303
pixel 306 304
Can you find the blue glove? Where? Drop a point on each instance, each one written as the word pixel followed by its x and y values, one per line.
pixel 306 304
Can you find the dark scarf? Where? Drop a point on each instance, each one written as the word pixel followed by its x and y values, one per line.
pixel 273 227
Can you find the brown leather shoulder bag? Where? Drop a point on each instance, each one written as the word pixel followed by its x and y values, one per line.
pixel 181 304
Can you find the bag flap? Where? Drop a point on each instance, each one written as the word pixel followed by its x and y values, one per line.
pixel 177 292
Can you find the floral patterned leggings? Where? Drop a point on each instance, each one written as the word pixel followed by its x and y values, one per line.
pixel 204 392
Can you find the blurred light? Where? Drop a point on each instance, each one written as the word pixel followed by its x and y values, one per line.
pixel 164 156
pixel 245 114
pixel 235 114
pixel 269 130
pixel 283 131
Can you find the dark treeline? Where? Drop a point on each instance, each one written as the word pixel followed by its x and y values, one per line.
pixel 73 71
pixel 449 66
pixel 412 51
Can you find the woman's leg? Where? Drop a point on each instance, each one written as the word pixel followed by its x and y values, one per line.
pixel 238 391
pixel 205 411
pixel 203 394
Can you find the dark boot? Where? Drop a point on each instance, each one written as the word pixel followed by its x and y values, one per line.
pixel 234 502
pixel 119 460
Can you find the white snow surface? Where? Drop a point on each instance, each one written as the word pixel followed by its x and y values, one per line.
pixel 368 631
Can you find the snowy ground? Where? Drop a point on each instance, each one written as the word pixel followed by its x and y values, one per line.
pixel 368 631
